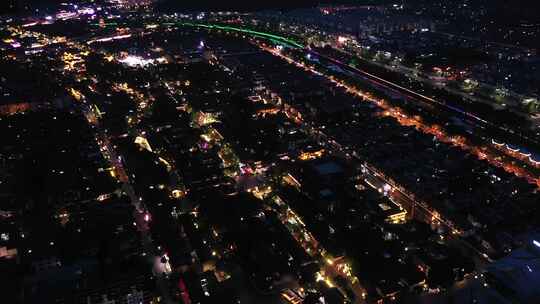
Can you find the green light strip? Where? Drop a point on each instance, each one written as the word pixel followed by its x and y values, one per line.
pixel 105 24
pixel 248 31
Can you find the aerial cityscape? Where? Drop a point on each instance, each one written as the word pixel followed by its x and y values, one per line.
pixel 270 152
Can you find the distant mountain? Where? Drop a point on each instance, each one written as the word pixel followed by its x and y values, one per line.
pixel 233 4
pixel 259 4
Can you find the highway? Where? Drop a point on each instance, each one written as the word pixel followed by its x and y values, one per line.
pixel 412 94
pixel 486 126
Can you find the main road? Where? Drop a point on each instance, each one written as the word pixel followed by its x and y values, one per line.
pixel 486 127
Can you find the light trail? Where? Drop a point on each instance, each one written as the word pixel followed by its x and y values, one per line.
pixel 470 115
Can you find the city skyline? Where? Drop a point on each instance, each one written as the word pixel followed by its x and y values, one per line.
pixel 362 152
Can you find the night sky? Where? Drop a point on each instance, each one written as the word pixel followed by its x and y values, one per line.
pixel 498 7
pixel 207 4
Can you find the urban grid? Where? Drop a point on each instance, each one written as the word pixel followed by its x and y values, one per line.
pixel 310 152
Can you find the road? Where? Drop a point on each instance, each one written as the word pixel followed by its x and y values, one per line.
pixel 415 95
pixel 140 212
pixel 483 125
pixel 378 179
pixel 489 153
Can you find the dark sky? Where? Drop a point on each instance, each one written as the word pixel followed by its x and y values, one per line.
pixel 245 4
pixel 258 4
pixel 207 4
pixel 508 8
pixel 5 5
pixel 240 3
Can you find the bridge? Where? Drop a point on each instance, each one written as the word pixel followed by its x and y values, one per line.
pixel 269 36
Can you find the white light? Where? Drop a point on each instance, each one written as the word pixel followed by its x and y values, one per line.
pixel 536 243
pixel 342 39
pixel 134 61
pixel 87 11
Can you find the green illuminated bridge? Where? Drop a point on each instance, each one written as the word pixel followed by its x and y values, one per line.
pixel 269 36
